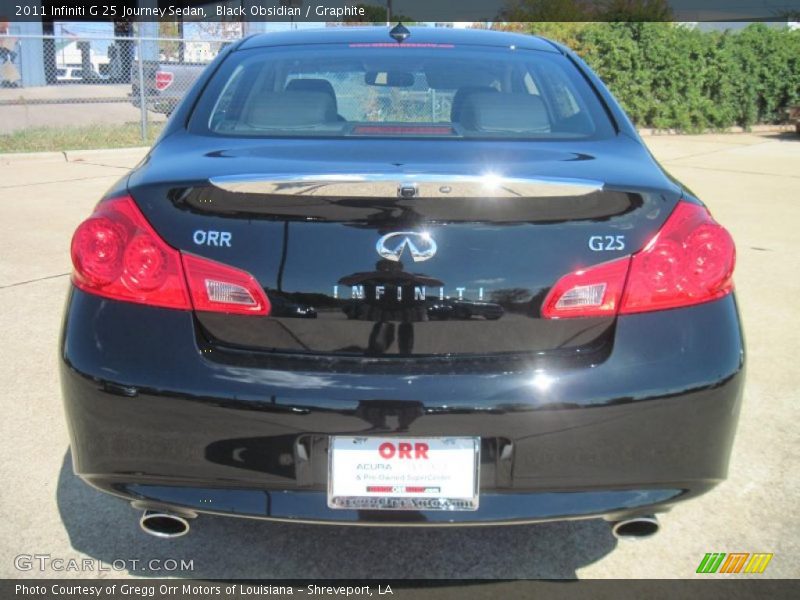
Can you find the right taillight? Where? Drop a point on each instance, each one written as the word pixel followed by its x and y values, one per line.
pixel 689 261
pixel 117 254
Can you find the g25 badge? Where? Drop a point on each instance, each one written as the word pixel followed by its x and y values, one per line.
pixel 605 243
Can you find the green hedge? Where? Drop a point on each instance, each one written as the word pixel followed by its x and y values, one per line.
pixel 671 76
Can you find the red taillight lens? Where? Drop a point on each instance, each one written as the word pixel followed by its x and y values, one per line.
pixel 163 80
pixel 592 292
pixel 689 261
pixel 217 287
pixel 117 254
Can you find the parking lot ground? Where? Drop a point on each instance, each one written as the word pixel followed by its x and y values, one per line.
pixel 750 182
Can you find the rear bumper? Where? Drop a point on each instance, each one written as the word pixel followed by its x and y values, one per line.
pixel 159 417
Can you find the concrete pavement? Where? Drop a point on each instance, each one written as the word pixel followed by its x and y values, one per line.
pixel 750 182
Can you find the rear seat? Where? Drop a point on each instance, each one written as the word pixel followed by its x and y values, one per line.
pixel 291 110
pixel 322 86
pixel 461 96
pixel 487 112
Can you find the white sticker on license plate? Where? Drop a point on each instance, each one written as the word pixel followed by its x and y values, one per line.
pixel 371 473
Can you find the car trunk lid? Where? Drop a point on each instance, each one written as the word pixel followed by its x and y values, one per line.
pixel 366 249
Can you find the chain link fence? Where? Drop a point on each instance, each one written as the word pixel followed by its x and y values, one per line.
pixel 55 81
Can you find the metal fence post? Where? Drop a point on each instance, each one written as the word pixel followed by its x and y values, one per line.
pixel 142 105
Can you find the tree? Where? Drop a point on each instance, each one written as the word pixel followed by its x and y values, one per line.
pixel 547 10
pixel 585 10
pixel 171 51
pixel 635 10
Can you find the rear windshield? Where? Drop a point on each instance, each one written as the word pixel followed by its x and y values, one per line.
pixel 429 90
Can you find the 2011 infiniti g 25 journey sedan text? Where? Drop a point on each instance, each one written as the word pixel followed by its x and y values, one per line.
pixel 432 280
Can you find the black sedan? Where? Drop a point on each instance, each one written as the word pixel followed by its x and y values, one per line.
pixel 361 170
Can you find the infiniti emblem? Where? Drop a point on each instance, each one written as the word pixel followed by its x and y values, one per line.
pixel 420 245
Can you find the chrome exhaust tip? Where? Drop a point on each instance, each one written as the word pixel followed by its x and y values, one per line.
pixel 163 525
pixel 637 528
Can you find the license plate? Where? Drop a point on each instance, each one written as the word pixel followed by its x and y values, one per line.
pixel 372 473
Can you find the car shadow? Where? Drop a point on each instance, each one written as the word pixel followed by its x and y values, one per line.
pixel 106 529
pixel 783 136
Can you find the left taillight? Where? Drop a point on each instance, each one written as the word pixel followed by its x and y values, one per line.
pixel 215 287
pixel 117 254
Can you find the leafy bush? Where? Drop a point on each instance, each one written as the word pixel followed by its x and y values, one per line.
pixel 668 75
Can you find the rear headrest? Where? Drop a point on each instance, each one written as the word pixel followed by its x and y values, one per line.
pixel 322 86
pixel 461 95
pixel 505 113
pixel 286 110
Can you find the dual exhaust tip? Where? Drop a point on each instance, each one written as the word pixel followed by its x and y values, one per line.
pixel 163 525
pixel 168 525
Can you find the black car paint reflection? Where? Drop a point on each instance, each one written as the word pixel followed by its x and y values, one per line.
pixel 282 306
pixel 463 309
